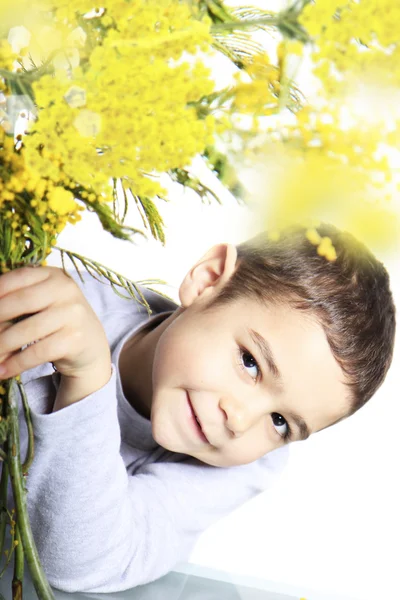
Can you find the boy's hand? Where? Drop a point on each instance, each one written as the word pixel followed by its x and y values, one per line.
pixel 57 316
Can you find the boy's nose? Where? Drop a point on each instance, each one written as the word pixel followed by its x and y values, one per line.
pixel 239 417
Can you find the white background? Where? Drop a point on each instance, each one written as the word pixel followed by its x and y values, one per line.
pixel 331 523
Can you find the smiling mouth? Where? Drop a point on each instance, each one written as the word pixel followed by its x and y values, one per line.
pixel 197 420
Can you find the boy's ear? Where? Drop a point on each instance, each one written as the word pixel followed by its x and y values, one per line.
pixel 209 274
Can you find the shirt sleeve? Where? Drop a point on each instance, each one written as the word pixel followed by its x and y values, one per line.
pixel 99 529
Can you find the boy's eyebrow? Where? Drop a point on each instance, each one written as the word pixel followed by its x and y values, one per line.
pixel 304 432
pixel 266 353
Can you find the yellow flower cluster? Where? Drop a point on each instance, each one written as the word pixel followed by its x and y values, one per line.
pixel 354 42
pixel 352 37
pixel 320 131
pixel 327 158
pixel 121 108
pixel 258 95
pixel 31 206
pixel 7 57
pixel 126 98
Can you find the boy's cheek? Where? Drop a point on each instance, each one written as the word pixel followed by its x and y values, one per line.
pixel 172 357
pixel 190 359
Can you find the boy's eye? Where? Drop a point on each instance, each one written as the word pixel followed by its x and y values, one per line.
pixel 248 362
pixel 280 422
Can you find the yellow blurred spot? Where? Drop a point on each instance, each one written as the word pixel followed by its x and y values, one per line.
pixel 18 38
pixel 88 123
pixel 107 20
pixel 274 236
pixel 318 189
pixel 313 236
pixel 326 243
pixel 77 36
pixel 295 47
pixel 67 59
pixel 331 254
pixel 75 97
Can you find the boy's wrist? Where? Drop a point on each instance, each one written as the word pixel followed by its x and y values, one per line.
pixel 73 389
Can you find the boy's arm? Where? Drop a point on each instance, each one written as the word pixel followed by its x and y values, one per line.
pixel 73 389
pixel 99 529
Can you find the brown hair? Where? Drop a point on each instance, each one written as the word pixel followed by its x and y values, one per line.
pixel 349 296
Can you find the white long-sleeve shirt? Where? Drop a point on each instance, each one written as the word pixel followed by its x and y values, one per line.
pixel 109 508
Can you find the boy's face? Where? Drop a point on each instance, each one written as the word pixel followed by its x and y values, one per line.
pixel 211 358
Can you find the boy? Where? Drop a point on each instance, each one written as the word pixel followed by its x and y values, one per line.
pixel 271 343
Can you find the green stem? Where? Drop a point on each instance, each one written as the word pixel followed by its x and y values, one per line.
pixel 3 505
pixel 31 443
pixel 218 10
pixel 3 485
pixel 10 552
pixel 284 22
pixel 38 576
pixel 9 75
pixel 244 24
pixel 34 74
pixel 18 567
pixel 293 30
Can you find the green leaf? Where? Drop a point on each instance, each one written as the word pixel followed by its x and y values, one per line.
pixel 150 216
pixel 238 47
pixel 115 279
pixel 108 219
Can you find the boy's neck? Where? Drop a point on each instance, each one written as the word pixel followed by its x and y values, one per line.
pixel 136 364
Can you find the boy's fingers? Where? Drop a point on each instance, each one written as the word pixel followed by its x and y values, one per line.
pixel 31 329
pixel 21 278
pixel 3 327
pixel 4 357
pixel 45 350
pixel 26 301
